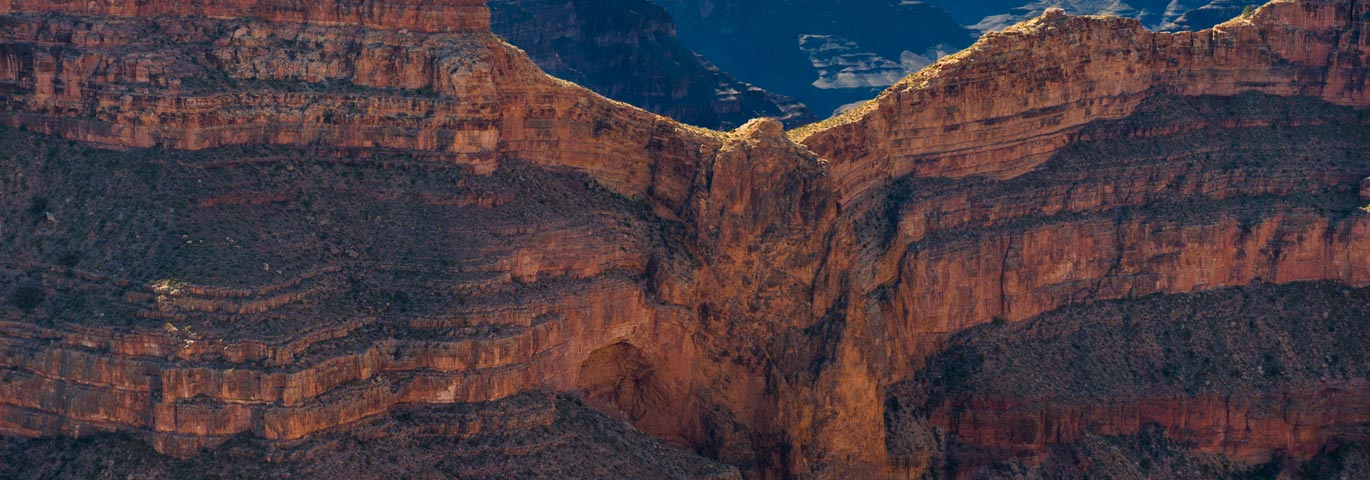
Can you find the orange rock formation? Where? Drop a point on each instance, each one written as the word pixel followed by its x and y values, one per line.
pixel 749 294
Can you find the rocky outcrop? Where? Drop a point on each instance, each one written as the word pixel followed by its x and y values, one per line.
pixel 442 231
pixel 209 83
pixel 1151 220
pixel 628 51
pixel 955 119
pixel 833 56
pixel 935 256
pixel 305 225
pixel 940 244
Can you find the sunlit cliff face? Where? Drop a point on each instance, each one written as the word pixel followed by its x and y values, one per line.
pixel 295 226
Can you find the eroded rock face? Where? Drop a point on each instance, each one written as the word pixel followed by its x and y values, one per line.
pixel 416 15
pixel 239 293
pixel 1241 372
pixel 530 435
pixel 986 112
pixel 938 256
pixel 194 321
pixel 201 83
pixel 305 224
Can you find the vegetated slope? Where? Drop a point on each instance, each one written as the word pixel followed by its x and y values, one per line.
pixel 1181 385
pixel 531 435
pixel 312 219
pixel 628 51
pixel 1186 194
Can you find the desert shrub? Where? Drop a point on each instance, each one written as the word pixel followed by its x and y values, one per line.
pixel 27 297
pixel 69 259
pixel 38 205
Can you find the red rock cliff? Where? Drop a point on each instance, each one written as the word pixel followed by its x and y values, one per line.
pixel 1004 105
pixel 457 90
pixel 317 216
pixel 959 218
pixel 427 16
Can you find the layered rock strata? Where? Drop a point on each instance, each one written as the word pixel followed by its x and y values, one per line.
pixel 1003 106
pixel 416 15
pixel 530 435
pixel 196 83
pixel 284 297
pixel 305 224
pixel 1242 372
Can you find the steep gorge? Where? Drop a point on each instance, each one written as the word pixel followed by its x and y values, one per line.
pixel 629 51
pixel 286 224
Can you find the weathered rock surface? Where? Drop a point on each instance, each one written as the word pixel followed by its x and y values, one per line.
pixel 201 295
pixel 941 244
pixel 295 225
pixel 1242 372
pixel 530 435
pixel 832 55
pixel 1007 103
pixel 195 83
pixel 416 15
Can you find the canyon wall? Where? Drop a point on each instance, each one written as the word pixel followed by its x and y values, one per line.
pixel 434 102
pixel 953 229
pixel 281 223
pixel 1004 105
pixel 196 83
pixel 320 223
pixel 416 15
pixel 1243 374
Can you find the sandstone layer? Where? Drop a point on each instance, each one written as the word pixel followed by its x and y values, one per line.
pixel 417 15
pixel 195 83
pixel 1242 373
pixel 281 226
pixel 531 435
pixel 1003 106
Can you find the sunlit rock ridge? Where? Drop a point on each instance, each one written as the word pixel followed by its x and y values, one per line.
pixel 272 230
